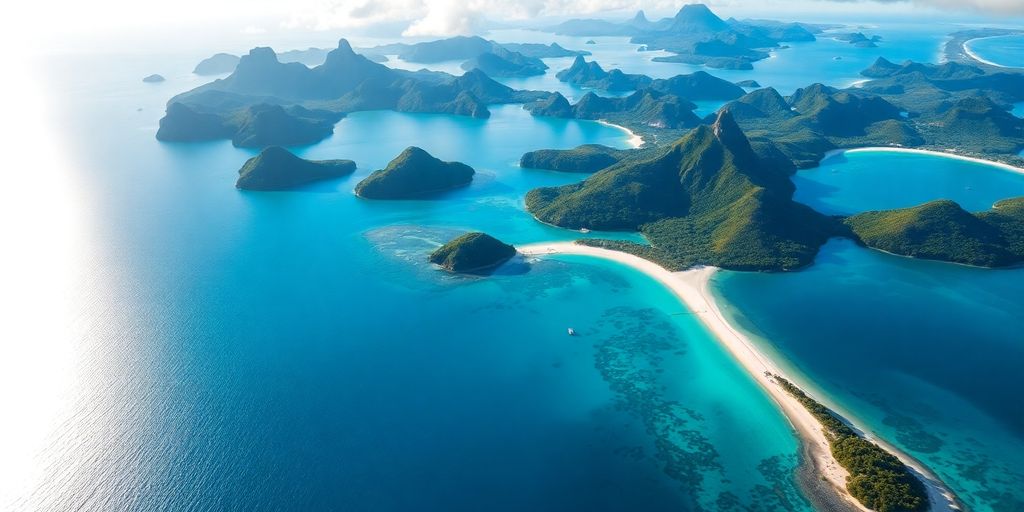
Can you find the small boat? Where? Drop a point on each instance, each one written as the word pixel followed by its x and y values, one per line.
pixel 572 332
pixel 584 230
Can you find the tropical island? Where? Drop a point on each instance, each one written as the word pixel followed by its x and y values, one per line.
pixel 472 253
pixel 587 158
pixel 414 174
pixel 495 59
pixel 276 168
pixel 697 36
pixel 154 78
pixel 345 82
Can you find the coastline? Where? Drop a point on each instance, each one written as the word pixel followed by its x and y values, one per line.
pixel 993 163
pixel 970 53
pixel 634 140
pixel 692 288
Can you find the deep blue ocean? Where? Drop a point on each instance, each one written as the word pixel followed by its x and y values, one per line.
pixel 294 350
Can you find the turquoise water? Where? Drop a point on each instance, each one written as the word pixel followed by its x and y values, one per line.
pixel 851 183
pixel 927 355
pixel 1005 51
pixel 295 350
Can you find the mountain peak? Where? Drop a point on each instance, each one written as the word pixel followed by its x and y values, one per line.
pixel 725 127
pixel 344 46
pixel 698 17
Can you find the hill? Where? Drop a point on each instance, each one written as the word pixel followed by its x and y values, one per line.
pixel 275 168
pixel 472 253
pixel 942 230
pixel 413 174
pixel 709 198
pixel 587 158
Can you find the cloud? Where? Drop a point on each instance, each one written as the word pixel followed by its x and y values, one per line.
pixel 455 17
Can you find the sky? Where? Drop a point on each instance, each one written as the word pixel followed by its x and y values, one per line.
pixel 64 20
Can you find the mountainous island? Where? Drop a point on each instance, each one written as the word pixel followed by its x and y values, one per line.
pixel 345 82
pixel 472 253
pixel 697 36
pixel 153 79
pixel 587 158
pixel 708 198
pixel 942 230
pixel 414 174
pixel 275 168
pixel 495 59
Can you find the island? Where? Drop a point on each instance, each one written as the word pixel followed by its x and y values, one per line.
pixel 709 198
pixel 749 84
pixel 641 111
pixel 345 82
pixel 275 168
pixel 496 59
pixel 414 174
pixel 217 64
pixel 473 253
pixel 858 39
pixel 254 126
pixel 942 230
pixel 591 75
pixel 153 79
pixel 697 36
pixel 588 158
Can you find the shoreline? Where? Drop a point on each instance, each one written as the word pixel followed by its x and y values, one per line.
pixel 634 140
pixel 692 288
pixel 887 149
pixel 966 45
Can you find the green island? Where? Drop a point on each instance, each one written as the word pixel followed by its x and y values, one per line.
pixel 472 253
pixel 644 110
pixel 695 35
pixel 587 158
pixel 942 230
pixel 495 59
pixel 877 479
pixel 709 198
pixel 276 168
pixel 414 174
pixel 345 82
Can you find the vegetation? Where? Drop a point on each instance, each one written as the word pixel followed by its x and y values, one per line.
pixel 590 74
pixel 345 82
pixel 877 478
pixel 254 126
pixel 709 198
pixel 697 36
pixel 941 230
pixel 414 173
pixel 275 168
pixel 587 158
pixel 645 108
pixel 472 253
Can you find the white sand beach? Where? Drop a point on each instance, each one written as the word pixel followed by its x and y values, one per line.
pixel 1006 167
pixel 634 139
pixel 970 53
pixel 692 287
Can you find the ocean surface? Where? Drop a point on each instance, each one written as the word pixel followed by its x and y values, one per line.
pixel 294 350
pixel 925 354
pixel 1007 51
pixel 850 183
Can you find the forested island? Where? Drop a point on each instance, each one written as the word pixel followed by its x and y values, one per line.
pixel 276 168
pixel 345 82
pixel 414 174
pixel 472 253
pixel 587 158
pixel 697 36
